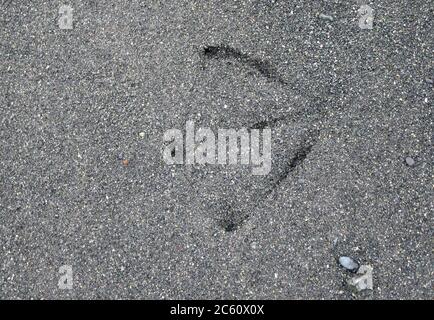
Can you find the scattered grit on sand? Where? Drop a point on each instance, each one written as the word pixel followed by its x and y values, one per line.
pixel 83 112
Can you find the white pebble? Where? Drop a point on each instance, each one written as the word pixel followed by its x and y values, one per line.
pixel 348 263
pixel 410 161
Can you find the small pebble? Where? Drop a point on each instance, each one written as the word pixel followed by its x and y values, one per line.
pixel 253 245
pixel 141 134
pixel 125 162
pixel 410 161
pixel 349 264
pixel 325 17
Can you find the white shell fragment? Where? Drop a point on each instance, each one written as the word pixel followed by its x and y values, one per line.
pixel 325 17
pixel 363 281
pixel 348 263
